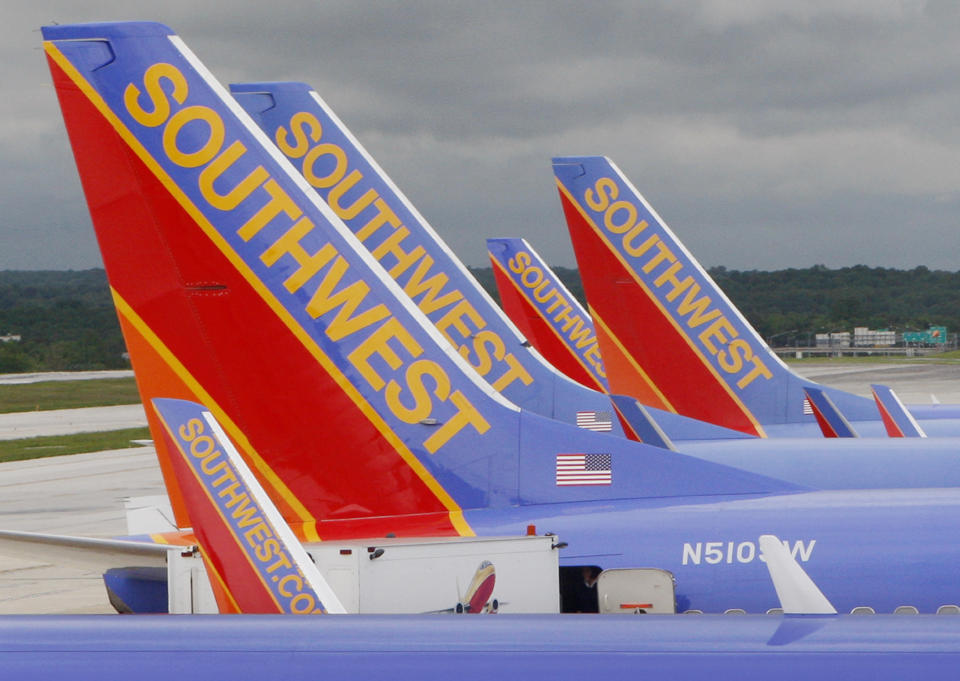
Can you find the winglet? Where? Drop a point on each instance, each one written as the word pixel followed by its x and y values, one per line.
pixel 896 419
pixel 832 422
pixel 798 594
pixel 255 562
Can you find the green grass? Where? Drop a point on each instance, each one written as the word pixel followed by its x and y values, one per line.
pixel 48 395
pixel 57 445
pixel 953 354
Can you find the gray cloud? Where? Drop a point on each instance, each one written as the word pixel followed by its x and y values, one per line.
pixel 767 133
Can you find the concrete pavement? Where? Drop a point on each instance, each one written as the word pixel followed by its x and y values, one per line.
pixel 914 382
pixel 82 494
pixel 66 421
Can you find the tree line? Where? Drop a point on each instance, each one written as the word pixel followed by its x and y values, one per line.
pixel 790 306
pixel 66 319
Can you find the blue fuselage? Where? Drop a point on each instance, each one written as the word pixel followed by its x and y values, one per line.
pixel 876 548
pixel 659 647
pixel 840 463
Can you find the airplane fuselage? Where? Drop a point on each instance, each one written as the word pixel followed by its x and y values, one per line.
pixel 881 549
pixel 419 647
pixel 841 463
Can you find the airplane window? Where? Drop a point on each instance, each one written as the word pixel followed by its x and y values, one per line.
pixel 906 610
pixel 863 610
pixel 948 610
pixel 735 611
pixel 775 611
pixel 693 612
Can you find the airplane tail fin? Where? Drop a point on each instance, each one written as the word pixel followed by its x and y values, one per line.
pixel 240 290
pixel 256 564
pixel 341 171
pixel 665 328
pixel 896 419
pixel 661 428
pixel 538 302
pixel 643 423
pixel 546 312
pixel 832 422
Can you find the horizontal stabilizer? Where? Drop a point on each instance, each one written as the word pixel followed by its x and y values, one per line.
pixel 831 421
pixel 798 594
pixel 83 552
pixel 896 419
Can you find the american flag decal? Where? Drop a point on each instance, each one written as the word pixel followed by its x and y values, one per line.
pixel 584 469
pixel 807 407
pixel 600 421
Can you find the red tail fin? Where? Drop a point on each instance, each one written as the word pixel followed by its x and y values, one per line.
pixel 255 563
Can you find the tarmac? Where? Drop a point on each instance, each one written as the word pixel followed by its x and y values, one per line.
pixel 914 382
pixel 84 494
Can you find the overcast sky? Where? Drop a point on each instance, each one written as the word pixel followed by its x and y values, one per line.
pixel 767 133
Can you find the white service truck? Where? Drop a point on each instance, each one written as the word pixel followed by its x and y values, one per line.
pixel 437 575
